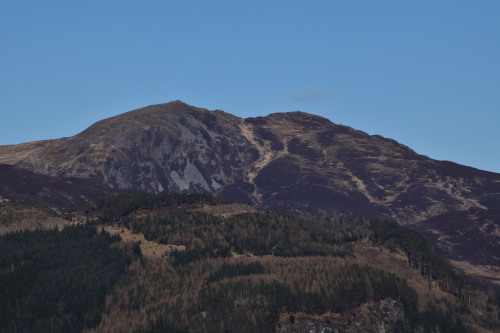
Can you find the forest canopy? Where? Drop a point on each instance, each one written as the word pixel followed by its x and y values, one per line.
pixel 53 280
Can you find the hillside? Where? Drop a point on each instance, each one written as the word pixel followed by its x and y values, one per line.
pixel 21 185
pixel 246 271
pixel 468 239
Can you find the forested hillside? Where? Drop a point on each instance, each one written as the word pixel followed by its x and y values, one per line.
pixel 229 270
pixel 56 281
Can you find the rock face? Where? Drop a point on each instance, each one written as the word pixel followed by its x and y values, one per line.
pixel 171 147
pixel 288 161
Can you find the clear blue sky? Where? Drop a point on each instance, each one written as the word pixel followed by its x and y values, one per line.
pixel 425 73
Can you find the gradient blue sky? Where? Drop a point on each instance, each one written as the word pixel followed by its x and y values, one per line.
pixel 425 73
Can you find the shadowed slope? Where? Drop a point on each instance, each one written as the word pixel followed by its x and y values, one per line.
pixel 20 185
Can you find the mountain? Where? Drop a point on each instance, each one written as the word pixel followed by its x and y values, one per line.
pixel 288 161
pixel 293 161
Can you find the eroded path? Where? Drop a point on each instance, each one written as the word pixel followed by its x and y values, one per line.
pixel 266 155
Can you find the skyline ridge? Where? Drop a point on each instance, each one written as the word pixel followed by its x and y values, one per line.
pixel 179 101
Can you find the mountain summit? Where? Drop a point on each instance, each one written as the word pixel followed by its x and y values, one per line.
pixel 288 161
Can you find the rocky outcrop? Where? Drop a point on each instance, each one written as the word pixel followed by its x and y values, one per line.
pixel 384 316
